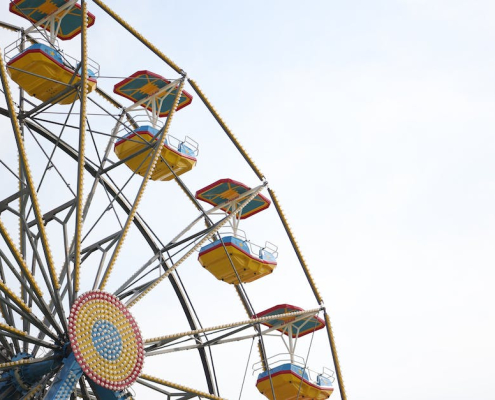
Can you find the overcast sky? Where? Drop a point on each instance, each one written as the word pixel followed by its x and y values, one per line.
pixel 374 123
pixel 380 114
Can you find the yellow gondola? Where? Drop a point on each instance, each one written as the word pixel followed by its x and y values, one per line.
pixel 41 72
pixel 135 149
pixel 221 261
pixel 291 382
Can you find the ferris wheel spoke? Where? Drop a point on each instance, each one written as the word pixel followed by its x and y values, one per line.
pixel 184 391
pixel 26 279
pixel 60 214
pixel 37 260
pixel 162 259
pixel 106 181
pixel 142 188
pixel 68 91
pixel 6 310
pixel 139 293
pixel 37 388
pixel 82 138
pixel 211 231
pixel 160 390
pixel 49 216
pixel 112 197
pixel 226 333
pixel 13 303
pixel 132 286
pixel 21 335
pixel 114 103
pixel 66 272
pixel 145 148
pixel 84 392
pixel 110 206
pixel 27 173
pixel 37 110
pixel 9 319
pixel 7 347
pixel 102 163
pixel 27 361
pixel 49 164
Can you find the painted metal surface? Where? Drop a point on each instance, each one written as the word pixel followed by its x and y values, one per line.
pixel 295 329
pixel 40 71
pixel 106 340
pixel 217 260
pixel 66 379
pixel 143 84
pixel 69 20
pixel 291 382
pixel 138 143
pixel 225 190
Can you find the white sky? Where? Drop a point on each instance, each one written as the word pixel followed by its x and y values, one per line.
pixel 374 123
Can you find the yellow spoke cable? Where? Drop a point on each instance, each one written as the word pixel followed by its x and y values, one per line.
pixel 27 172
pixel 141 190
pixel 81 153
pixel 150 378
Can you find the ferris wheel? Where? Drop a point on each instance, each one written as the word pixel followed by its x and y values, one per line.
pixel 120 277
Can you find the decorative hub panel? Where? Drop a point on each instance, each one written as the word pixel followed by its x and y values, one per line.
pixel 106 340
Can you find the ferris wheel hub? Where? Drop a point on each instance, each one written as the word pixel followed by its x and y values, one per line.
pixel 106 340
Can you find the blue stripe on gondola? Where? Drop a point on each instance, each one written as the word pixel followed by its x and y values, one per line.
pixel 285 367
